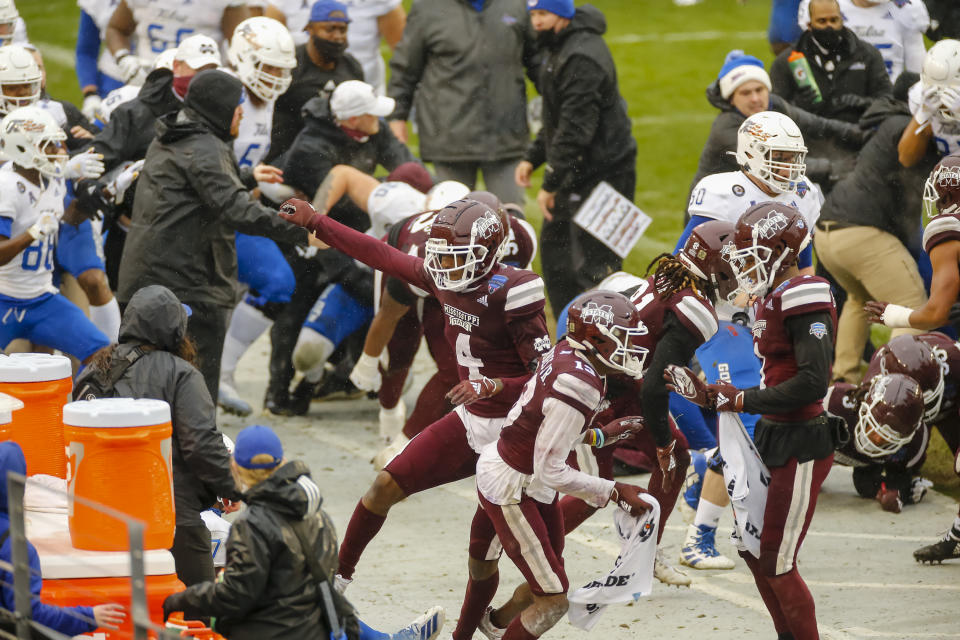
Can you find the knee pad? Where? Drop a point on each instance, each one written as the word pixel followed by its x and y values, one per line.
pixel 313 350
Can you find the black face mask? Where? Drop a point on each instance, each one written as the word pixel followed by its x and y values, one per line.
pixel 330 50
pixel 829 39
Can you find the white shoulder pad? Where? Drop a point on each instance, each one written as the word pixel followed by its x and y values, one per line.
pixel 576 389
pixel 720 196
pixel 912 14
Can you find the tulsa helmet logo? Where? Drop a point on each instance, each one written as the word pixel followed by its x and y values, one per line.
pixel 768 227
pixel 596 314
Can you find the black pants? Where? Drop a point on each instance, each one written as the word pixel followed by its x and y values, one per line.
pixel 573 260
pixel 193 554
pixel 207 327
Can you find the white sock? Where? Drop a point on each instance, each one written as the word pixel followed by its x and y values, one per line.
pixel 311 353
pixel 708 513
pixel 246 325
pixel 106 317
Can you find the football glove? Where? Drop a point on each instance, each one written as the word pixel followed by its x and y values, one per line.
pixel 469 391
pixel 94 200
pixel 130 65
pixel 628 497
pixel 300 213
pixel 686 383
pixel 667 460
pixel 366 373
pixel 87 165
pixel 619 429
pixel 118 188
pixel 929 105
pixel 45 226
pixel 726 397
pixel 91 105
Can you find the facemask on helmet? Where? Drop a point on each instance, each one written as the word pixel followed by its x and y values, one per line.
pixel 607 325
pixel 464 245
pixel 20 78
pixel 770 148
pixel 889 415
pixel 941 69
pixel 941 191
pixel 31 138
pixel 769 237
pixel 262 51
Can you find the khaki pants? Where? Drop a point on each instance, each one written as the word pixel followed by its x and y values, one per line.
pixel 869 264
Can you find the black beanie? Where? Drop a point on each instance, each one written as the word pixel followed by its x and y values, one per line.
pixel 214 96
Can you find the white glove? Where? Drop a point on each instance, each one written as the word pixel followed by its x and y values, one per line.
pixel 123 181
pixel 88 164
pixel 918 488
pixel 129 65
pixel 276 191
pixel 366 373
pixel 91 105
pixel 929 104
pixel 950 99
pixel 46 225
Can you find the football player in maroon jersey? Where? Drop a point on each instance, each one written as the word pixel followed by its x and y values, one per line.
pixel 887 437
pixel 793 336
pixel 520 475
pixel 495 324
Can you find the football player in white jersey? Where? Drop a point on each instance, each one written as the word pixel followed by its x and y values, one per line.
pixel 894 27
pixel 159 25
pixel 97 71
pixel 262 54
pixel 373 21
pixel 32 189
pixel 935 105
pixel 13 30
pixel 293 13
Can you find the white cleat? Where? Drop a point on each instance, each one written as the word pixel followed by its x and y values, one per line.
pixel 699 550
pixel 487 628
pixel 426 627
pixel 387 454
pixel 667 573
pixel 340 583
pixel 229 399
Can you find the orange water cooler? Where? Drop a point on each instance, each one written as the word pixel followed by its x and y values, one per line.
pixel 44 383
pixel 119 454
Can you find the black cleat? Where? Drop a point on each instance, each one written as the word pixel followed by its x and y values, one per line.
pixel 946 549
pixel 277 401
pixel 300 399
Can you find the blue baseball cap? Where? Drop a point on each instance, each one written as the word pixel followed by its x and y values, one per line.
pixel 254 441
pixel 562 8
pixel 329 11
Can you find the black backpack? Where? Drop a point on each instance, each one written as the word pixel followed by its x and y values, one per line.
pixel 97 383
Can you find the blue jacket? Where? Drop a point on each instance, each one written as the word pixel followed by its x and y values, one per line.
pixel 70 621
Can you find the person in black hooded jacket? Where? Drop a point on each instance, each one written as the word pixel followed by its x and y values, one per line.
pixel 267 590
pixel 189 201
pixel 586 138
pixel 154 359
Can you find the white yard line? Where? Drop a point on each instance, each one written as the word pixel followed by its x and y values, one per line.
pixel 56 53
pixel 686 36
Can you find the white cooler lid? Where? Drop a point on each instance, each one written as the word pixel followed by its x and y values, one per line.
pixel 50 534
pixel 34 367
pixel 116 412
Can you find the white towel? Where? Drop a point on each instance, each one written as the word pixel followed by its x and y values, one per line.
pixel 632 573
pixel 747 479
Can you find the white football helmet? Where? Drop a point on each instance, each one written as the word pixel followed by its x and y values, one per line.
pixel 443 193
pixel 259 42
pixel 760 137
pixel 8 20
pixel 18 67
pixel 25 138
pixel 941 69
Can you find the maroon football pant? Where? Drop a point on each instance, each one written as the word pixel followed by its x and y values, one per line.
pixel 791 501
pixel 438 455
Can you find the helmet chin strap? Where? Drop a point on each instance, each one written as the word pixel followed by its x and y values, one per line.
pixel 775 267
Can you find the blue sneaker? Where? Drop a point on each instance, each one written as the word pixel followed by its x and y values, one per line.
pixel 699 550
pixel 426 627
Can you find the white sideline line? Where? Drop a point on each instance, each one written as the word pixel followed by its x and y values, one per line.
pixel 351 446
pixel 870 633
pixel 656 121
pixel 686 36
pixel 56 53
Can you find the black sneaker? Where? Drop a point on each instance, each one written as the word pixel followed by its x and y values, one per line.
pixel 277 401
pixel 946 549
pixel 333 387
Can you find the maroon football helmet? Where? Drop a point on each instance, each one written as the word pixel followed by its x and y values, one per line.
pixel 889 414
pixel 706 254
pixel 606 325
pixel 941 193
pixel 769 236
pixel 469 235
pixel 915 358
